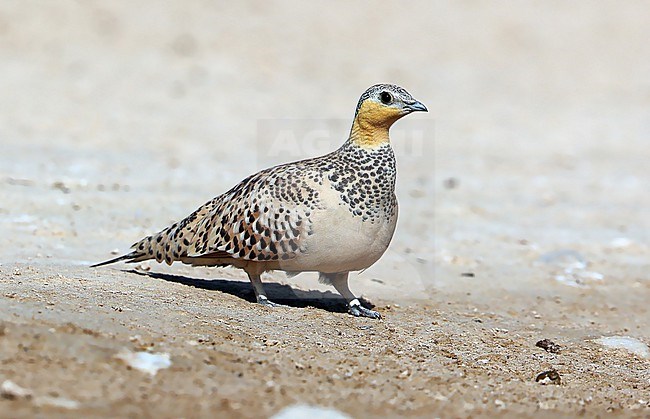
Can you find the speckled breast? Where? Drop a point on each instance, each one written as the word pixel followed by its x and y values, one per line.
pixel 357 219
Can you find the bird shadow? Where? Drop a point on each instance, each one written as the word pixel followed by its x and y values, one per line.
pixel 278 293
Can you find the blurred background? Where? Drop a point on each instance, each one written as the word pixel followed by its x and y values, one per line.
pixel 119 117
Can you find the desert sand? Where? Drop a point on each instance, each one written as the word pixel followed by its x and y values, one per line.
pixel 523 207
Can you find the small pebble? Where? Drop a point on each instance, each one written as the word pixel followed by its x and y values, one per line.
pixel 144 267
pixel 549 377
pixel 11 390
pixel 145 361
pixel 451 183
pixel 549 346
pixel 621 242
pixel 61 186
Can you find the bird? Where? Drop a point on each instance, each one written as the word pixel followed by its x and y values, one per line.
pixel 332 214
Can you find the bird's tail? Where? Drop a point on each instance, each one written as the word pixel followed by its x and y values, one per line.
pixel 132 257
pixel 128 257
pixel 144 250
pixel 162 246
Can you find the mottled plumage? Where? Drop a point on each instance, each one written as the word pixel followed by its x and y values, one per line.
pixel 331 214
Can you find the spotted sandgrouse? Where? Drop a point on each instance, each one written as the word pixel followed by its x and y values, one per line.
pixel 331 214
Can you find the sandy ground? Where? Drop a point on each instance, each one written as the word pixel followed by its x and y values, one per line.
pixel 523 207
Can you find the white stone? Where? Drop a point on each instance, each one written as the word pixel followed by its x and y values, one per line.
pixel 630 344
pixel 301 411
pixel 11 390
pixel 145 361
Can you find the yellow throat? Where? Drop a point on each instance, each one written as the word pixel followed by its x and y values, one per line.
pixel 371 124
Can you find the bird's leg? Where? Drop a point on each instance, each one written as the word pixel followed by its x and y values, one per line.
pixel 258 287
pixel 340 283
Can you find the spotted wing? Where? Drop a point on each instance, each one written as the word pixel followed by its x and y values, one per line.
pixel 264 218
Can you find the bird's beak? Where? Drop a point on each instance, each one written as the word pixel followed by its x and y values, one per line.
pixel 416 106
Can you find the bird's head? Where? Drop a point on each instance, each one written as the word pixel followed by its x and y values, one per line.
pixel 378 108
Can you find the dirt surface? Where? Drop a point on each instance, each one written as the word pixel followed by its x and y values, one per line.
pixel 523 207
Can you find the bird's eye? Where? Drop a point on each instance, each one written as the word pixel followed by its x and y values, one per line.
pixel 386 98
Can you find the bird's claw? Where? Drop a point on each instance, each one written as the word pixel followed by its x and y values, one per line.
pixel 358 310
pixel 266 302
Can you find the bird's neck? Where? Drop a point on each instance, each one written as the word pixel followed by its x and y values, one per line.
pixel 368 136
pixel 371 125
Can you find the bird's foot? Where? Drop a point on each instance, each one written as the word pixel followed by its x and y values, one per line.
pixel 266 302
pixel 356 309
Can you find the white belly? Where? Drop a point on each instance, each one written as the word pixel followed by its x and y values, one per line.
pixel 343 242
